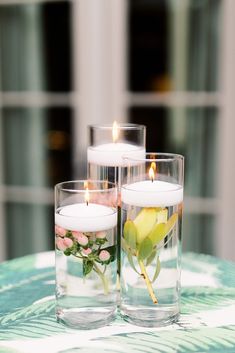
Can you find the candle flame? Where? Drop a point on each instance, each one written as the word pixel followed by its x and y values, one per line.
pixel 152 171
pixel 153 166
pixel 115 131
pixel 87 197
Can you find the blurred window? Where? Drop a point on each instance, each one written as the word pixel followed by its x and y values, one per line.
pixel 67 64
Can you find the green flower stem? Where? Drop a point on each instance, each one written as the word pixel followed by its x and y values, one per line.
pixel 103 278
pixel 147 281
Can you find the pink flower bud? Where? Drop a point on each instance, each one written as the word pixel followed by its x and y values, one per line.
pixel 60 244
pixel 82 240
pixel 100 235
pixel 87 251
pixel 76 234
pixel 68 242
pixel 63 244
pixel 104 255
pixel 60 231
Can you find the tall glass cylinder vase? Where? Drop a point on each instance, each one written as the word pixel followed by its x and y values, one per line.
pixel 86 253
pixel 152 199
pixel 108 144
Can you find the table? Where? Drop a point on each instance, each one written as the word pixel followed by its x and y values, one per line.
pixel 28 325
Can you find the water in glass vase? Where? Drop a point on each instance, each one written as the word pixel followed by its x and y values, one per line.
pixel 86 272
pixel 150 264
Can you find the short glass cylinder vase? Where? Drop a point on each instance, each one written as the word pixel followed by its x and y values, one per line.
pixel 152 199
pixel 108 144
pixel 86 253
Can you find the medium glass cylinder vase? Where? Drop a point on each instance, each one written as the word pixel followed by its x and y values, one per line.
pixel 152 199
pixel 86 253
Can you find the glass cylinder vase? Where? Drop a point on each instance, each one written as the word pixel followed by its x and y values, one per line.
pixel 152 199
pixel 86 253
pixel 108 144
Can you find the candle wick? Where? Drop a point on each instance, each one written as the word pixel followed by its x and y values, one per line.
pixel 152 180
pixel 87 203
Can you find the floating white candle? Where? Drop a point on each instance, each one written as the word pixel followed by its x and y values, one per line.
pixel 110 154
pixel 86 218
pixel 152 194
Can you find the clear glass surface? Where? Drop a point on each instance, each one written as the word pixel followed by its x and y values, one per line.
pixel 151 239
pixel 108 143
pixel 137 305
pixel 86 253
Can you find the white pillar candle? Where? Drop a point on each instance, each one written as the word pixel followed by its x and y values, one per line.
pixel 110 154
pixel 86 218
pixel 152 194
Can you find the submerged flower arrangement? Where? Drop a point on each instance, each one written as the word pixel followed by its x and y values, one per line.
pixel 142 239
pixel 88 247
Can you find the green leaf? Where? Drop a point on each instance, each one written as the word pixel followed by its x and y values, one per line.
pixel 130 234
pixel 151 257
pixel 87 267
pixel 131 261
pixel 157 270
pixel 145 249
pixel 74 249
pixel 67 252
pixel 158 233
pixel 100 241
pixel 124 245
pixel 161 230
pixel 126 248
pixel 145 221
pixel 171 222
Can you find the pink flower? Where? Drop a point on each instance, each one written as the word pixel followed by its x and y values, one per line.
pixel 104 255
pixel 60 231
pixel 101 235
pixel 82 239
pixel 87 251
pixel 64 243
pixel 77 234
pixel 68 242
pixel 60 244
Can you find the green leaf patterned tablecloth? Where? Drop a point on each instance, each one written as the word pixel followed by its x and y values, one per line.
pixel 28 325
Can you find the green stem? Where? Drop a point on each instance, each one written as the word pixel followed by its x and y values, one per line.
pixel 78 257
pixel 103 278
pixel 147 281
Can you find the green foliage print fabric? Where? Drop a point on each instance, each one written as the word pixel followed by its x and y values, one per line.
pixel 28 324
